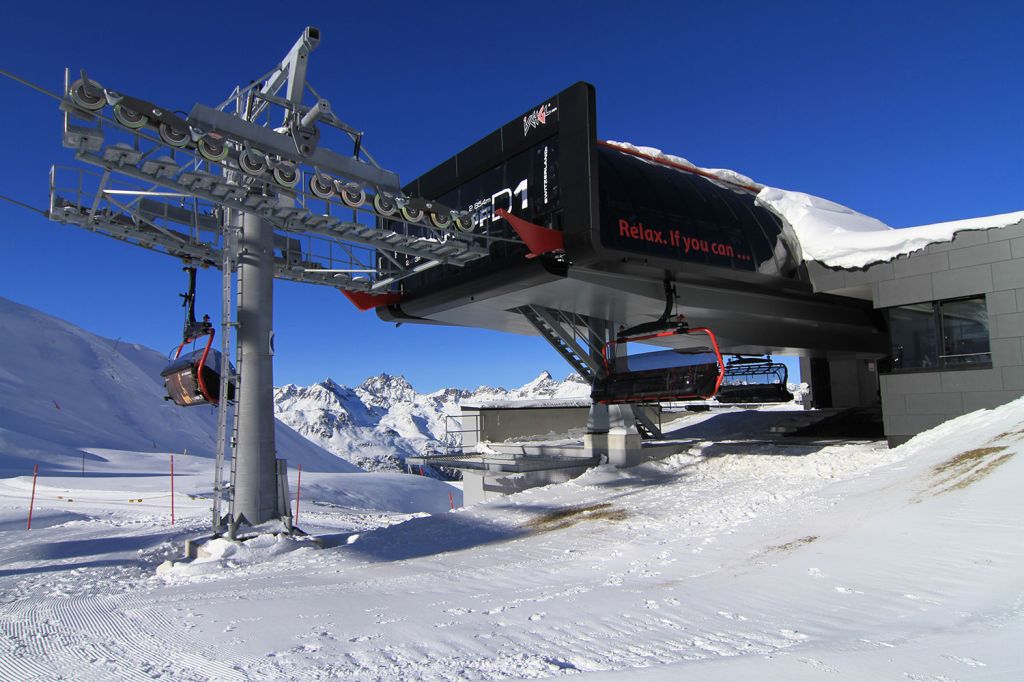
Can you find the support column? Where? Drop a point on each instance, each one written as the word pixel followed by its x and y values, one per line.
pixel 255 494
pixel 612 435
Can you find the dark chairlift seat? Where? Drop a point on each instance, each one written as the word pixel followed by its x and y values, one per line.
pixel 688 373
pixel 754 380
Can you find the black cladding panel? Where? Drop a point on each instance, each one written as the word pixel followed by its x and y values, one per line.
pixel 660 213
pixel 613 208
pixel 520 168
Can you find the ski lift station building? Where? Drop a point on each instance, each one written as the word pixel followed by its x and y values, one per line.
pixel 541 228
pixel 928 330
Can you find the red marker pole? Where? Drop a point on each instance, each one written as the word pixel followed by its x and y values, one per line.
pixel 172 488
pixel 452 500
pixel 35 474
pixel 298 495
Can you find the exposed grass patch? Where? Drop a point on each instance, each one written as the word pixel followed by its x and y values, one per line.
pixel 979 473
pixel 570 516
pixel 965 469
pixel 794 544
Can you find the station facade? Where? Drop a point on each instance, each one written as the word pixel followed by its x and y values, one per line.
pixel 954 317
pixel 588 238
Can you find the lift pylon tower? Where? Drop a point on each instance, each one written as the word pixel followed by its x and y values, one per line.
pixel 251 186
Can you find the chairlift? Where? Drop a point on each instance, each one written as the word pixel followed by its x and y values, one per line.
pixel 689 372
pixel 194 378
pixel 754 380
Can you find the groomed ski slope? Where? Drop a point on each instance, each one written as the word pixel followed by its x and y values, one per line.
pixel 727 561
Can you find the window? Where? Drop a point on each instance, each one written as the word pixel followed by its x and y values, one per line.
pixel 940 335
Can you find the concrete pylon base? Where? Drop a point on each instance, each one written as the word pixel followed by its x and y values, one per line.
pixel 612 435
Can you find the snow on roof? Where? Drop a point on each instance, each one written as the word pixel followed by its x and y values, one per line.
pixel 840 237
pixel 830 233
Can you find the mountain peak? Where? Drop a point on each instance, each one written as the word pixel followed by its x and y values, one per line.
pixel 541 378
pixel 385 380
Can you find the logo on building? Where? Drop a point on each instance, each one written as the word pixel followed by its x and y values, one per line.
pixel 537 117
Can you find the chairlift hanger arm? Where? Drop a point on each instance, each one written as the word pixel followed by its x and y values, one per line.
pixel 664 325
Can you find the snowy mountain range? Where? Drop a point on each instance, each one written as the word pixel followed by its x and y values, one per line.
pixel 383 420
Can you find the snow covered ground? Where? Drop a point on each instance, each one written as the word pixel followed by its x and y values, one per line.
pixel 726 561
pixel 734 558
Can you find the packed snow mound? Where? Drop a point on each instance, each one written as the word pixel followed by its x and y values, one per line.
pixel 384 420
pixel 830 233
pixel 63 390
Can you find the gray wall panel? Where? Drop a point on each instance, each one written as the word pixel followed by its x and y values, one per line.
pixel 919 382
pixel 1008 274
pixel 905 290
pixel 935 403
pixel 1007 352
pixel 961 282
pixel 1005 233
pixel 876 273
pixel 972 380
pixel 922 264
pixel 967 238
pixel 977 255
pixel 1013 379
pixel 986 400
pixel 1007 326
pixel 1001 302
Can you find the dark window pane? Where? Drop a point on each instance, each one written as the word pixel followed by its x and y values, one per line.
pixel 964 332
pixel 912 330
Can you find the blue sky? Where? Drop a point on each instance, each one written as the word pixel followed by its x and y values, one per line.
pixel 910 112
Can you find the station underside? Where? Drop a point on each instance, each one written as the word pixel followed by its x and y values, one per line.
pixel 747 318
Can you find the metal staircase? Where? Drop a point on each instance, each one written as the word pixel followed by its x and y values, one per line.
pixel 575 337
pixel 645 425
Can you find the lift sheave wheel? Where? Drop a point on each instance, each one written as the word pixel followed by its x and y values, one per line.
pixel 441 220
pixel 174 137
pixel 412 215
pixel 463 223
pixel 252 163
pixel 384 204
pixel 354 197
pixel 213 148
pixel 321 186
pixel 130 118
pixel 286 176
pixel 90 98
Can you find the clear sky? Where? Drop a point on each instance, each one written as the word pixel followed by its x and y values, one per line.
pixel 910 112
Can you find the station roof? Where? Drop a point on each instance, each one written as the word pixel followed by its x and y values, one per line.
pixel 830 233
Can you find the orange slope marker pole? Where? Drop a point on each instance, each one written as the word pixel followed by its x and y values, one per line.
pixel 172 488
